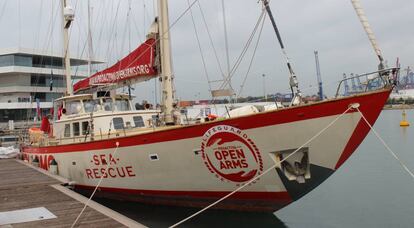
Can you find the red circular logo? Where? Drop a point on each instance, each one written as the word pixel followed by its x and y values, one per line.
pixel 230 154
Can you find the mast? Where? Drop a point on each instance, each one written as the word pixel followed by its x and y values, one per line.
pixel 167 97
pixel 68 16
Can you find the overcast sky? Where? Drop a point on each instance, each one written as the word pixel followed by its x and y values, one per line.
pixel 329 26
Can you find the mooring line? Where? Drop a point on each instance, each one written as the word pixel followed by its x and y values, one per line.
pixel 385 145
pixel 97 186
pixel 265 172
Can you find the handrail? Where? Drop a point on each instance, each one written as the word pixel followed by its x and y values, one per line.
pixel 383 75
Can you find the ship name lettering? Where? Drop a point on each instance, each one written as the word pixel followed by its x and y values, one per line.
pixel 231 158
pixel 44 161
pixel 102 158
pixel 112 172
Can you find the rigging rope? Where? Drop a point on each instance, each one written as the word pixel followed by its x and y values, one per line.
pixel 226 45
pixel 141 38
pixel 253 55
pixel 109 50
pixel 385 145
pixel 126 29
pixel 97 186
pixel 211 40
pixel 45 45
pixel 19 22
pixel 2 10
pixel 94 26
pixel 265 172
pixel 242 54
pixel 364 21
pixel 162 35
pixel 199 48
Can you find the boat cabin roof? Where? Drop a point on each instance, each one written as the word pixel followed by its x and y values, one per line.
pixel 74 97
pixel 89 96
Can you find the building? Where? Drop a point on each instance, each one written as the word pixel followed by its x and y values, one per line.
pixel 26 77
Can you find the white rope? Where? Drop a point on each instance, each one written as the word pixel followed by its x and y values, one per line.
pixel 364 21
pixel 386 146
pixel 262 174
pixel 97 186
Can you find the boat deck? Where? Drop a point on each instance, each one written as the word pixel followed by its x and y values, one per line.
pixel 24 187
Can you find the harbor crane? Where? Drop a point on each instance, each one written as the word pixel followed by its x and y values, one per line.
pixel 318 75
pixel 346 91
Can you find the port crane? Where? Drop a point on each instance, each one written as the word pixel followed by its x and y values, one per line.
pixel 318 75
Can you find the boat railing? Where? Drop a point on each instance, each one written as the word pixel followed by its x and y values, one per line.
pixel 96 137
pixel 367 82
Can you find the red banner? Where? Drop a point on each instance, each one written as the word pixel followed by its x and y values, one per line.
pixel 137 66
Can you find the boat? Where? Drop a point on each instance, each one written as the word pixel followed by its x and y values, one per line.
pixel 98 139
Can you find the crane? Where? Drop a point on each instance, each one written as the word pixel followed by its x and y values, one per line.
pixel 318 75
pixel 346 92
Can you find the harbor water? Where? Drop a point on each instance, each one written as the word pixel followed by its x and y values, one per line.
pixel 370 190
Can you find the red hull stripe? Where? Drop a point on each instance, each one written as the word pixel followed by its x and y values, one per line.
pixel 371 112
pixel 369 102
pixel 281 197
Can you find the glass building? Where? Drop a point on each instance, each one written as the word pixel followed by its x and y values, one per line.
pixel 26 77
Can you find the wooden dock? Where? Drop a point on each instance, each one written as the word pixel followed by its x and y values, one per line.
pixel 22 187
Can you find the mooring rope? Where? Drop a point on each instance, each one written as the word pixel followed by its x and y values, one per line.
pixel 97 186
pixel 385 145
pixel 265 172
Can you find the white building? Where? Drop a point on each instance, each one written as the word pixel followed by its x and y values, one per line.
pixel 25 77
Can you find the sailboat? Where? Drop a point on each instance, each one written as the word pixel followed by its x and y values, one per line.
pixel 149 156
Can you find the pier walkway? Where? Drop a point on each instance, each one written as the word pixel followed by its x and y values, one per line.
pixel 25 187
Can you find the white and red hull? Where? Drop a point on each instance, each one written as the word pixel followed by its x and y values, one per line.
pixel 195 165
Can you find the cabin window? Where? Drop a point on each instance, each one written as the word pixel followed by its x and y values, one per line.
pixel 85 128
pixel 118 123
pixel 139 122
pixel 90 105
pixel 9 139
pixel 107 104
pixel 76 130
pixel 122 105
pixel 73 107
pixel 67 130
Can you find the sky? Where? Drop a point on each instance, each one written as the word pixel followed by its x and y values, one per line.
pixel 329 26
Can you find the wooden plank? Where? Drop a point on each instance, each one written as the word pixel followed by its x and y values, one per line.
pixel 23 187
